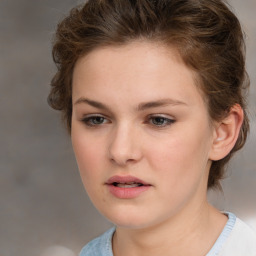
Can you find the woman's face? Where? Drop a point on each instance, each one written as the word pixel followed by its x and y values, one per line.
pixel 141 134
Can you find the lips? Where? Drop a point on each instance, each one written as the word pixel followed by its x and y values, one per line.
pixel 126 187
pixel 129 181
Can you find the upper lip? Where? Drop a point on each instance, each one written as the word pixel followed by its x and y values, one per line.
pixel 125 179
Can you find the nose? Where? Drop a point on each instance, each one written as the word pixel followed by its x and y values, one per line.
pixel 125 146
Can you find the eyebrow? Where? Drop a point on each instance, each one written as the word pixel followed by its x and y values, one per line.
pixel 142 106
pixel 92 103
pixel 159 103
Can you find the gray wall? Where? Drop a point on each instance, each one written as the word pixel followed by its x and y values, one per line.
pixel 42 201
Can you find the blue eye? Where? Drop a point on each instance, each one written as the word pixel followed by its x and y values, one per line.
pixel 160 121
pixel 94 120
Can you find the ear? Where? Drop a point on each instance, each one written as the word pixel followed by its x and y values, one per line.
pixel 226 133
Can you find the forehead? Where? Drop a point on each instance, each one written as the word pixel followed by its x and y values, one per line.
pixel 136 53
pixel 140 70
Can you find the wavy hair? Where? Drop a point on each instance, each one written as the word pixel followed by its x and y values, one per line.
pixel 206 33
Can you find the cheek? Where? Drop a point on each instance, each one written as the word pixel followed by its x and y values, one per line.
pixel 181 158
pixel 88 155
pixel 90 160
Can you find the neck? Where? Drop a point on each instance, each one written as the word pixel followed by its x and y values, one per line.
pixel 183 234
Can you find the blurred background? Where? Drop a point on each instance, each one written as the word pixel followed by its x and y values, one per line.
pixel 44 210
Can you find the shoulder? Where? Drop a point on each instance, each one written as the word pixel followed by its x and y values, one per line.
pixel 101 245
pixel 241 241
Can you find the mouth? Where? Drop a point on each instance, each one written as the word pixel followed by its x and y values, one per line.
pixel 127 187
pixel 126 182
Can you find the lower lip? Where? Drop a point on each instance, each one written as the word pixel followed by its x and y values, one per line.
pixel 127 193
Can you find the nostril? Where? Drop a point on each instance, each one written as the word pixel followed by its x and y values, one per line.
pixel 123 149
pixel 122 161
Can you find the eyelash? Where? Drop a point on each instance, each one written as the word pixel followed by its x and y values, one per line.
pixel 88 121
pixel 167 121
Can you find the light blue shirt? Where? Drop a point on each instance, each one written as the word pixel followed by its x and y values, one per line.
pixel 236 239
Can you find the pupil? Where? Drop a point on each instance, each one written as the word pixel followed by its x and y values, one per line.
pixel 98 119
pixel 159 120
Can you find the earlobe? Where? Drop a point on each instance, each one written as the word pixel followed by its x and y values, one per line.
pixel 226 133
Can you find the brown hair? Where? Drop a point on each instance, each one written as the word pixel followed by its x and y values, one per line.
pixel 206 33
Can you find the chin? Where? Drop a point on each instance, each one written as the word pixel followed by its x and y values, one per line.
pixel 129 219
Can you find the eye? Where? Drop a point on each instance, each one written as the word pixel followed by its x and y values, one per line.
pixel 95 120
pixel 160 121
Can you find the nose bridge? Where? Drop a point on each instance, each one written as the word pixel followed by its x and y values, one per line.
pixel 124 146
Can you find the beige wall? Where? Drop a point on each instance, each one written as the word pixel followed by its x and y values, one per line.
pixel 42 201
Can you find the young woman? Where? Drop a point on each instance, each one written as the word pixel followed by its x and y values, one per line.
pixel 152 94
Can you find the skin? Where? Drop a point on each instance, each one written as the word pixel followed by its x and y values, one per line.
pixel 169 145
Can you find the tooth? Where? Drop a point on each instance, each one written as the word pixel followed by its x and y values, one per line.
pixel 126 185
